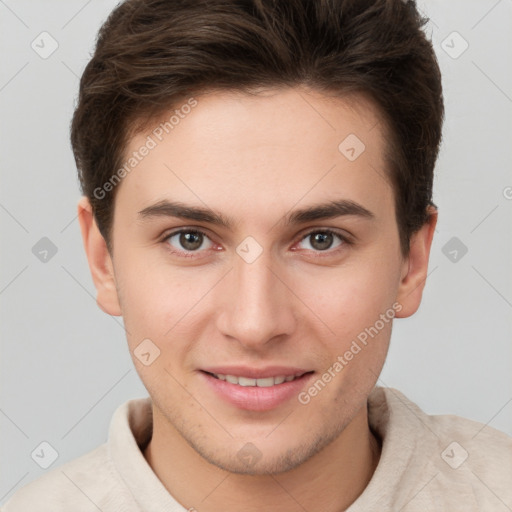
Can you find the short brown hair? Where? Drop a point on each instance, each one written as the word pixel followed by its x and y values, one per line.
pixel 150 54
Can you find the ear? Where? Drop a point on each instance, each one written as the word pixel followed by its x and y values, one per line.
pixel 100 262
pixel 415 268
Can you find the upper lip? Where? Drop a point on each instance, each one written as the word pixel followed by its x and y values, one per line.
pixel 256 373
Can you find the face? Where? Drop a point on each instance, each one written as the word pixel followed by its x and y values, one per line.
pixel 255 244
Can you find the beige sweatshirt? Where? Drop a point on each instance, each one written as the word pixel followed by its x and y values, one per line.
pixel 428 463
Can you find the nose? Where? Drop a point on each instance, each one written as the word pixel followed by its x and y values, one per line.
pixel 256 306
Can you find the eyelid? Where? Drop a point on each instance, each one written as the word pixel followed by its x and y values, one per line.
pixel 344 235
pixel 345 238
pixel 186 229
pixel 174 231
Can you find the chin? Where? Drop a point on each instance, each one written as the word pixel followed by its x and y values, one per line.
pixel 272 459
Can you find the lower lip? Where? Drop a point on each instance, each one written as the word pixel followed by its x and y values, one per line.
pixel 254 398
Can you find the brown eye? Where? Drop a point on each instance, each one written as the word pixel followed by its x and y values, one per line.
pixel 322 240
pixel 191 241
pixel 188 240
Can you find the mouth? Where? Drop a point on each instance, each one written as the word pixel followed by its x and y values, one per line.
pixel 256 390
pixel 265 382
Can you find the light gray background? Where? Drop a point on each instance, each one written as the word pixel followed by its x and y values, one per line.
pixel 65 366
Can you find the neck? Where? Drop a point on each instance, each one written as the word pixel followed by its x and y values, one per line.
pixel 329 481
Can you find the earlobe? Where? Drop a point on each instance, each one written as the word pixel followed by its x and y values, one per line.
pixel 415 270
pixel 100 261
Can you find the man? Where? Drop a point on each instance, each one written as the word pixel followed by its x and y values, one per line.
pixel 257 181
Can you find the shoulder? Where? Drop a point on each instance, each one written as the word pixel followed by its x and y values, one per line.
pixel 481 453
pixel 449 460
pixel 84 484
pixel 93 481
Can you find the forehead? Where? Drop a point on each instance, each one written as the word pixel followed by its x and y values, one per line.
pixel 278 146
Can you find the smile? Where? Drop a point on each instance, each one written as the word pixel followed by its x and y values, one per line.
pixel 261 383
pixel 256 389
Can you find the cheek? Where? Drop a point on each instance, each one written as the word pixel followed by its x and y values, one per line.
pixel 158 301
pixel 351 301
pixel 351 304
pixel 160 316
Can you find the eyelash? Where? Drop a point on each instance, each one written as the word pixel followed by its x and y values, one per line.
pixel 345 241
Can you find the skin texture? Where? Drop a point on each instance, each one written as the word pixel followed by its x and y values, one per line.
pixel 255 159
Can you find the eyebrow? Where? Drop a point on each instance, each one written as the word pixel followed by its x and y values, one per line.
pixel 329 210
pixel 167 208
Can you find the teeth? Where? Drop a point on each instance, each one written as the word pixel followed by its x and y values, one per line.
pixel 244 381
pixel 261 383
pixel 266 383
